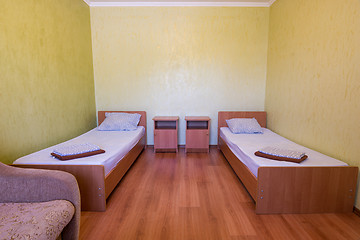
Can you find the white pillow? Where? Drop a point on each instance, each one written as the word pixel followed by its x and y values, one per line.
pixel 120 122
pixel 244 125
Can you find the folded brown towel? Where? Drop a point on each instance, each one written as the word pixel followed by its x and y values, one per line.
pixel 69 157
pixel 264 155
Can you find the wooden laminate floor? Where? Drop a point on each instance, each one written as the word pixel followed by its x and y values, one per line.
pixel 197 196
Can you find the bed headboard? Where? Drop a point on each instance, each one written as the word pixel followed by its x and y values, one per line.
pixel 260 116
pixel 101 116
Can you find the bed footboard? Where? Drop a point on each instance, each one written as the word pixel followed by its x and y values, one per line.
pixel 306 189
pixel 90 179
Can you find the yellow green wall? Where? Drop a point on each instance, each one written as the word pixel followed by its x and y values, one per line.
pixel 46 80
pixel 180 60
pixel 313 81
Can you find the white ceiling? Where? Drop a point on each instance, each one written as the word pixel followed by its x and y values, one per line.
pixel 226 3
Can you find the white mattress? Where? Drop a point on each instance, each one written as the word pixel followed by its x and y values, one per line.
pixel 245 145
pixel 115 143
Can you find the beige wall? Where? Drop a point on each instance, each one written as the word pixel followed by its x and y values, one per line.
pixel 180 60
pixel 47 83
pixel 313 83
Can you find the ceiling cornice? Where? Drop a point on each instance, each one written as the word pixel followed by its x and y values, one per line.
pixel 178 4
pixel 87 2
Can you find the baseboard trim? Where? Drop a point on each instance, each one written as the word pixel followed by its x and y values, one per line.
pixel 356 211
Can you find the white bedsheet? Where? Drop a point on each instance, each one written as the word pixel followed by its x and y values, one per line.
pixel 245 145
pixel 115 143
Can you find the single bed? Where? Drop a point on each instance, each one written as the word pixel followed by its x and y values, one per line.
pixel 284 187
pixel 97 175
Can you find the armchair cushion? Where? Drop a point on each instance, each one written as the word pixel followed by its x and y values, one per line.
pixel 18 185
pixel 44 220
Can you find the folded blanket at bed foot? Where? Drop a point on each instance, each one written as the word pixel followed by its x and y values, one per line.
pixel 281 154
pixel 76 151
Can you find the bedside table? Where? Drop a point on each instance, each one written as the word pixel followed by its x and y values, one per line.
pixel 197 134
pixel 166 133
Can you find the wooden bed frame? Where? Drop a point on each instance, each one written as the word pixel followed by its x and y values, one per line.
pixel 94 186
pixel 292 189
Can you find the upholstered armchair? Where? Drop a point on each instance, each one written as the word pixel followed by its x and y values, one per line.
pixel 38 204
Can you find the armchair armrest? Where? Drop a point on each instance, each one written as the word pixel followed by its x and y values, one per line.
pixel 37 185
